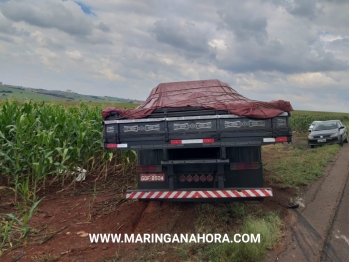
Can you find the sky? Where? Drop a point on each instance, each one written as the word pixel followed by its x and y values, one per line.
pixel 291 50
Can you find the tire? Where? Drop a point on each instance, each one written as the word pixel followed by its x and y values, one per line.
pixel 312 146
pixel 341 141
pixel 346 140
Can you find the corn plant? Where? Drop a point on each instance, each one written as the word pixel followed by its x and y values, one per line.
pixel 41 141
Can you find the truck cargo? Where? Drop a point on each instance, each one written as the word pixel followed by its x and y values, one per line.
pixel 198 141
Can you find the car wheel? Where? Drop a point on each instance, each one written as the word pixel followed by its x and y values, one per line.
pixel 312 146
pixel 341 141
pixel 346 140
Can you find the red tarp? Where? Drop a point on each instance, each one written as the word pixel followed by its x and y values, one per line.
pixel 212 94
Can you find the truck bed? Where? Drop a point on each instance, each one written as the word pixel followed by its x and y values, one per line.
pixel 193 127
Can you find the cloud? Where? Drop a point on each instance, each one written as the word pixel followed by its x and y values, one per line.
pixel 102 26
pixel 245 27
pixel 111 75
pixel 277 56
pixel 66 16
pixel 74 55
pixel 265 49
pixel 46 41
pixel 302 8
pixel 182 35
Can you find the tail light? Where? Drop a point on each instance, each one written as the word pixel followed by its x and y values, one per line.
pixel 182 178
pixel 150 169
pixel 189 178
pixel 196 178
pixel 242 166
pixel 281 139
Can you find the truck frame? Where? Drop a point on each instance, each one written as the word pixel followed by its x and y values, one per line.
pixel 197 154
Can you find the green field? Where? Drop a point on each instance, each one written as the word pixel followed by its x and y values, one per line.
pixel 45 142
pixel 300 120
pixel 23 94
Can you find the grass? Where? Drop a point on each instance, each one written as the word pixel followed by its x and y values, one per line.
pixel 233 218
pixel 296 166
pixel 269 229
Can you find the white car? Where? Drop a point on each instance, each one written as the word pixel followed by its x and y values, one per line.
pixel 312 125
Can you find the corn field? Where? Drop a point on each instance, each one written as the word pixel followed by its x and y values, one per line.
pixel 43 143
pixel 300 120
pixel 40 142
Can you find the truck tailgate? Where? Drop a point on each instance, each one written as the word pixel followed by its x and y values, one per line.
pixel 161 132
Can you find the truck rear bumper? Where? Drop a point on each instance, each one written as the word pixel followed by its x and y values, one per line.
pixel 228 193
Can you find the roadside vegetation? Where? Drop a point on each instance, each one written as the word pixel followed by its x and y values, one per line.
pixel 44 144
pixel 233 218
pixel 295 166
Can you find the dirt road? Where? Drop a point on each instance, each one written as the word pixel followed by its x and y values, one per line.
pixel 318 228
pixel 337 242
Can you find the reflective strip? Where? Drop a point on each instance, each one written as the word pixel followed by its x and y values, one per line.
pixel 172 194
pixel 137 194
pixel 264 192
pixel 255 192
pixel 163 195
pixel 202 194
pixel 229 193
pixel 273 140
pixel 191 194
pixel 182 194
pixel 146 195
pixel 249 193
pixel 116 146
pixel 192 141
pixel 155 194
pixel 221 194
pixel 213 195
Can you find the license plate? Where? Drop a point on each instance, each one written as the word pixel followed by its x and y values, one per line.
pixel 152 177
pixel 321 140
